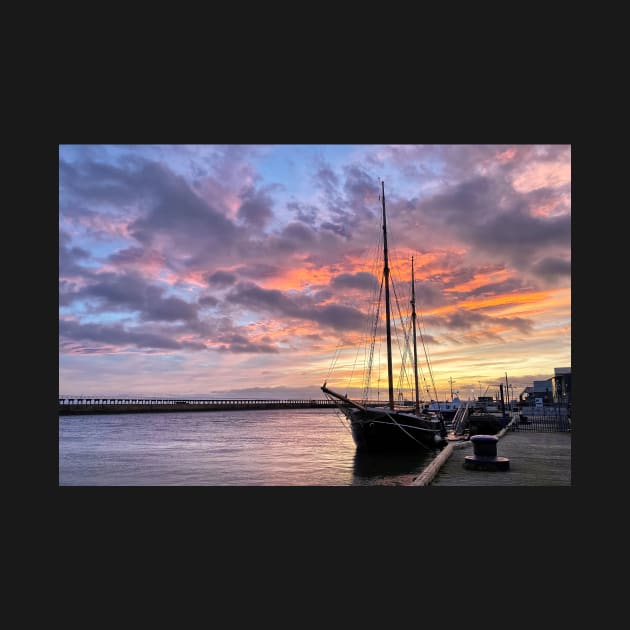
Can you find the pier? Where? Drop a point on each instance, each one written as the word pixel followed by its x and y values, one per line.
pixel 90 406
pixel 539 453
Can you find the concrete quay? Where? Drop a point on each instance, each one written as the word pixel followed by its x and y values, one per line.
pixel 536 459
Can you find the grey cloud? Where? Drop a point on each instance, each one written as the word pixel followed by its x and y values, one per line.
pixel 256 208
pixel 96 182
pixel 68 257
pixel 253 296
pixel 293 238
pixel 359 184
pixel 181 216
pixel 168 211
pixel 326 179
pixel 361 280
pixel 469 210
pixel 511 285
pixel 168 309
pixel 272 300
pixel 238 343
pixel 552 268
pixel 298 233
pixel 134 255
pixel 221 278
pixel 207 300
pixel 464 320
pixel 428 339
pixel 67 291
pixel 524 325
pixel 305 213
pixel 117 335
pixel 249 347
pixel 259 271
pixel 469 201
pixel 131 292
pixel 340 229
pixel 337 316
pixel 127 255
pixel 429 296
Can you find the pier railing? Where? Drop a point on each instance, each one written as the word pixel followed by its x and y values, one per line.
pixel 543 419
pixel 83 405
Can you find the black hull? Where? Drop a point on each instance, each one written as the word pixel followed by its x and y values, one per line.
pixel 447 416
pixel 382 430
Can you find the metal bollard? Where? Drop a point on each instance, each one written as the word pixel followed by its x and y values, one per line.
pixel 485 457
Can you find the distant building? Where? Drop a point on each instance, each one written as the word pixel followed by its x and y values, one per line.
pixel 562 385
pixel 525 394
pixel 544 390
pixel 556 389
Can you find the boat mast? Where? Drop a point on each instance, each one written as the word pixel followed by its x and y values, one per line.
pixel 415 351
pixel 390 378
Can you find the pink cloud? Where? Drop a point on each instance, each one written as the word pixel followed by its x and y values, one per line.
pixel 542 175
pixel 507 155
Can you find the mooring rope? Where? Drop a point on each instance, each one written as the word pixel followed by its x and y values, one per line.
pixel 339 413
pixel 409 434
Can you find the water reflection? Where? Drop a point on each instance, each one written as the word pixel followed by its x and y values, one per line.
pixel 389 468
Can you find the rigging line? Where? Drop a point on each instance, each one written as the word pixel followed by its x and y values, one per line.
pixel 372 321
pixel 339 413
pixel 367 335
pixel 428 362
pixel 402 429
pixel 407 341
pixel 335 358
pixel 372 337
pixel 404 374
pixel 403 384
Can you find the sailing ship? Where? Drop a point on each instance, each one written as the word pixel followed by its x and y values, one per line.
pixel 391 427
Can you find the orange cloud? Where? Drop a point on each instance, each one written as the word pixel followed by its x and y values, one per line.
pixel 513 303
pixel 506 299
pixel 298 277
pixel 507 155
pixel 302 275
pixel 480 280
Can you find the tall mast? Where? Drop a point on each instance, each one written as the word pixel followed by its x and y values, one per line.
pixel 415 351
pixel 388 327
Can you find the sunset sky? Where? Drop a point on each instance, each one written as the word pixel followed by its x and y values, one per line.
pixel 240 270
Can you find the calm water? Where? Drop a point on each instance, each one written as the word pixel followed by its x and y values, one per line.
pixel 233 448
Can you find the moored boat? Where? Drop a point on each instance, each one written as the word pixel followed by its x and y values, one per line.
pixel 392 426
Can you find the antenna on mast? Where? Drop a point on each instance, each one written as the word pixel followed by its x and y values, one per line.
pixel 451 381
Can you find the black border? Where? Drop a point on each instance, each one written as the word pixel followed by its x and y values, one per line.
pixel 362 528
